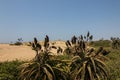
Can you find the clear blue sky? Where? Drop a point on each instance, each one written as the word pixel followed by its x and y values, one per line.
pixel 60 19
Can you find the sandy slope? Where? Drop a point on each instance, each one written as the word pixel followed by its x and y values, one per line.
pixel 9 53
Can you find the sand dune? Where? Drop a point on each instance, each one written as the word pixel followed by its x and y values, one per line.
pixel 9 53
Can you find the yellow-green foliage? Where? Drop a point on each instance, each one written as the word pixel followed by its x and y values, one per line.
pixel 79 63
pixel 103 43
pixel 114 64
pixel 85 65
pixel 9 70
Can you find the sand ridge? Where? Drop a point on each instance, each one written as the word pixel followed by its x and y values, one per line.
pixel 23 52
pixel 9 53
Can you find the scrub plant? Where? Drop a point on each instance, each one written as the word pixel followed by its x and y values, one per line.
pixel 87 64
pixel 42 67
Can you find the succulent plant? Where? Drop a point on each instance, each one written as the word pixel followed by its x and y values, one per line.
pixel 73 40
pixel 86 64
pixel 115 42
pixel 99 50
pixel 46 42
pixel 59 50
pixel 41 69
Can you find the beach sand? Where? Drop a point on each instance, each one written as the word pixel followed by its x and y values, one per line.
pixel 9 53
pixel 23 52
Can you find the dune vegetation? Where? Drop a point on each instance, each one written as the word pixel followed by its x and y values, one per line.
pixel 82 59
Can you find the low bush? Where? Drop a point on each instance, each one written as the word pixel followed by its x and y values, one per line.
pixel 103 43
pixel 114 64
pixel 9 70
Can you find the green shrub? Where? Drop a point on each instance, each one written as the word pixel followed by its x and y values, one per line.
pixel 103 43
pixel 114 64
pixel 18 43
pixel 9 70
pixel 77 63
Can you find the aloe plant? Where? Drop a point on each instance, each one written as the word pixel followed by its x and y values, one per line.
pixel 41 68
pixel 88 68
pixel 38 69
pixel 115 42
pixel 86 64
pixel 36 46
